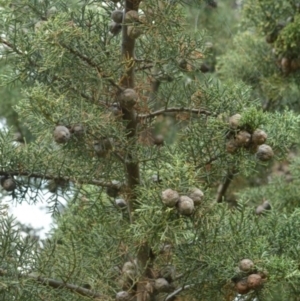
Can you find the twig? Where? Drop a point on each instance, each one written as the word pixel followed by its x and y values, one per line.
pixel 176 292
pixel 68 84
pixel 143 60
pixel 90 63
pixel 50 177
pixel 144 67
pixel 80 55
pixel 76 53
pixel 172 110
pixel 11 46
pixel 155 84
pixel 224 186
pixel 208 162
pixel 60 285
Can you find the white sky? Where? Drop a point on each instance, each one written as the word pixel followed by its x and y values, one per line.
pixel 34 215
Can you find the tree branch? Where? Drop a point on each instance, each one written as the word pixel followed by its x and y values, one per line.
pixel 81 56
pixel 50 177
pixel 144 67
pixel 172 110
pixel 212 159
pixel 74 52
pixel 127 81
pixel 90 63
pixel 176 292
pixel 69 85
pixel 60 285
pixel 129 116
pixel 11 46
pixel 224 186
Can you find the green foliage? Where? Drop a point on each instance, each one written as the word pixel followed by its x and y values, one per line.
pixel 287 44
pixel 271 69
pixel 72 71
pixel 250 59
pixel 265 15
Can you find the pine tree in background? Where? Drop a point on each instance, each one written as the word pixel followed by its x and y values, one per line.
pixel 265 53
pixel 219 21
pixel 144 146
pixel 265 56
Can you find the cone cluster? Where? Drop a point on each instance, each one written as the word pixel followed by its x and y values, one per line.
pixel 248 277
pixel 131 19
pixel 160 283
pixel 8 183
pixel 253 141
pixel 289 61
pixel 63 134
pixel 185 204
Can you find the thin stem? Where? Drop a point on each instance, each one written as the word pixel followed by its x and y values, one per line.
pixel 174 110
pixel 176 292
pixel 144 67
pixel 74 52
pixel 52 177
pixel 60 285
pixel 224 186
pixel 208 162
pixel 91 63
pixel 11 46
